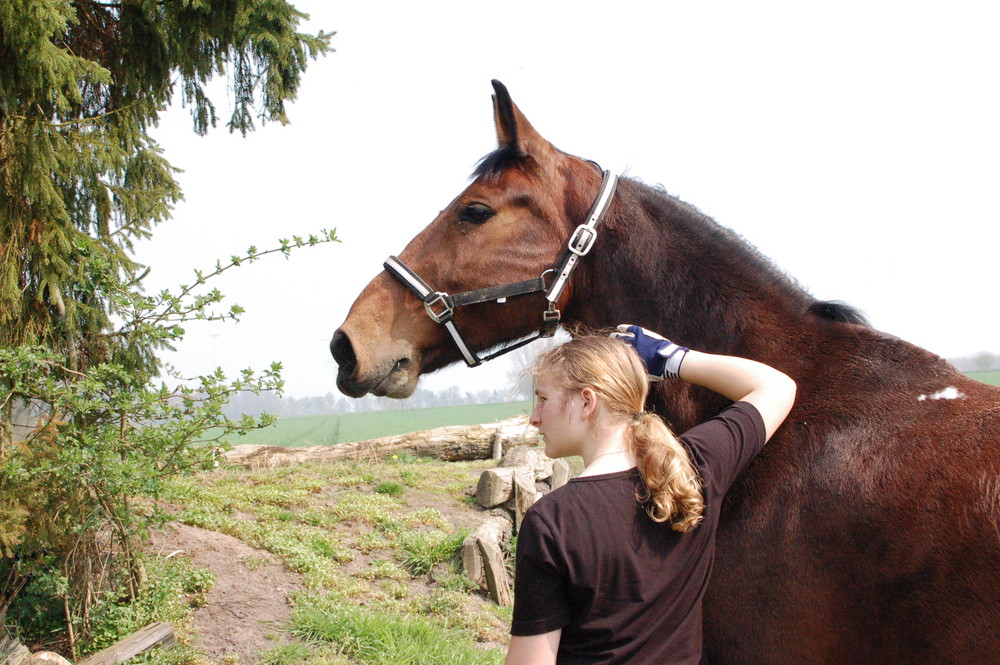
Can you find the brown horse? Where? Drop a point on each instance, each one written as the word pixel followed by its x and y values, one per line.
pixel 866 532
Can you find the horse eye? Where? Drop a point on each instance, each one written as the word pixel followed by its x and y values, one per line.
pixel 476 213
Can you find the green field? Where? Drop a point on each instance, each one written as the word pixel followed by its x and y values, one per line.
pixel 344 427
pixel 341 428
pixel 990 376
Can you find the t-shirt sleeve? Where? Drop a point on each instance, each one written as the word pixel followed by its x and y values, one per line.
pixel 728 442
pixel 541 602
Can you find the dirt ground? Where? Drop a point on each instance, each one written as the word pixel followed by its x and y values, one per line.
pixel 246 608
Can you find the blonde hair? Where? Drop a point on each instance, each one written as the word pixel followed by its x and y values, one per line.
pixel 671 487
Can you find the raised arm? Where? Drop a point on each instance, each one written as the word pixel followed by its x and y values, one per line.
pixel 741 380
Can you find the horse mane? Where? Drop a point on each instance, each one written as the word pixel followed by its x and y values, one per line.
pixel 834 310
pixel 742 252
pixel 493 165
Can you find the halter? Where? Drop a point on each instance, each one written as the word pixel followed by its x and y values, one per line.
pixel 441 306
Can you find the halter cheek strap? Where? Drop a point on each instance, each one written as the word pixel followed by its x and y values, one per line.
pixel 441 306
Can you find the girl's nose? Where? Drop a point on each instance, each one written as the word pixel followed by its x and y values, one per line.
pixel 534 419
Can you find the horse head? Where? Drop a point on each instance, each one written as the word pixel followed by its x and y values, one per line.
pixel 510 225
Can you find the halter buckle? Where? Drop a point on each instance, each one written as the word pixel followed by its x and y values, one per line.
pixel 582 240
pixel 439 299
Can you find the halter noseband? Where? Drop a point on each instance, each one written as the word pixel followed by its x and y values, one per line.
pixel 441 306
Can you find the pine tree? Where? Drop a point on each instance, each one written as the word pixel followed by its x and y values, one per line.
pixel 81 83
pixel 80 179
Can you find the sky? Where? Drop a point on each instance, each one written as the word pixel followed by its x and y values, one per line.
pixel 856 144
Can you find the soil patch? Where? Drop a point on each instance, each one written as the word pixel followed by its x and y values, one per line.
pixel 249 603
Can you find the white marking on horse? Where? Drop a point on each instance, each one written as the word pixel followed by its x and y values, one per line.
pixel 951 392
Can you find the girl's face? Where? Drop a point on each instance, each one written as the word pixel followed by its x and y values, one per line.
pixel 558 417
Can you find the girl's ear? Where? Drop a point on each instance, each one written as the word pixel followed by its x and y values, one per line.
pixel 589 398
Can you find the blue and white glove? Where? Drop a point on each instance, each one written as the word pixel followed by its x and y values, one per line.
pixel 662 357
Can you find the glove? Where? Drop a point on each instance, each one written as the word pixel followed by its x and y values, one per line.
pixel 662 357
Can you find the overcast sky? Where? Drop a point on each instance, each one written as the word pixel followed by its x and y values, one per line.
pixel 855 143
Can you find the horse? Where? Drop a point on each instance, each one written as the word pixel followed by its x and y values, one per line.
pixel 868 529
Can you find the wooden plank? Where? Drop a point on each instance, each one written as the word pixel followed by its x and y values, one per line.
pixel 155 634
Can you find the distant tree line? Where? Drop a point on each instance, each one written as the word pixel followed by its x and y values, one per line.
pixel 256 405
pixel 977 362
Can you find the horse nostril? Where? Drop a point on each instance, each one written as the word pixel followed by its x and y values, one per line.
pixel 404 363
pixel 343 352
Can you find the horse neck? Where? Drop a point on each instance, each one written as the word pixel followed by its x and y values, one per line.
pixel 667 266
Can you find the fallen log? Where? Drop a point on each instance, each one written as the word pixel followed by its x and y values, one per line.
pixel 450 444
pixel 155 634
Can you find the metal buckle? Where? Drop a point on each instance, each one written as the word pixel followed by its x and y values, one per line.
pixel 442 300
pixel 584 235
pixel 550 321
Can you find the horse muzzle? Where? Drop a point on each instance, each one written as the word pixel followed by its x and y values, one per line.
pixel 385 372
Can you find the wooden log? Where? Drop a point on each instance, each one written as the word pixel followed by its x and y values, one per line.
pixel 47 658
pixel 451 444
pixel 495 486
pixel 525 495
pixel 155 634
pixel 12 652
pixel 494 530
pixel 560 473
pixel 495 569
pixel 540 463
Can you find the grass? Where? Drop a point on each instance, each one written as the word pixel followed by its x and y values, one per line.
pixel 346 427
pixel 369 637
pixel 991 376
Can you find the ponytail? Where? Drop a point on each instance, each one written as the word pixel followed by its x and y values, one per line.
pixel 671 488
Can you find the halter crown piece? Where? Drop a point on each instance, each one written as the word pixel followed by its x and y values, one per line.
pixel 441 306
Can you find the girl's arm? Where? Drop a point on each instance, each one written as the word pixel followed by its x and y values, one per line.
pixel 769 390
pixel 534 649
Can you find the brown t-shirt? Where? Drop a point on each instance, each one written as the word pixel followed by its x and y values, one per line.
pixel 623 588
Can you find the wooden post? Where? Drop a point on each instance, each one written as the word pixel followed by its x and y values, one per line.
pixel 496 573
pixel 154 634
pixel 497 445
pixel 525 495
pixel 494 531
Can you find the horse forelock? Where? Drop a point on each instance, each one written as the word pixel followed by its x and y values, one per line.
pixel 495 164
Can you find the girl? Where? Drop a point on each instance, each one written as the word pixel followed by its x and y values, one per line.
pixel 612 568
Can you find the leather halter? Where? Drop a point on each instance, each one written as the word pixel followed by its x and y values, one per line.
pixel 441 306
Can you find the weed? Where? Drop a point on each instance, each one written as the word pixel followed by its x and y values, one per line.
pixel 382 569
pixel 423 549
pixel 292 653
pixel 390 488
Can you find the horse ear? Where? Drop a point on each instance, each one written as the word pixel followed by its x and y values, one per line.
pixel 513 129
